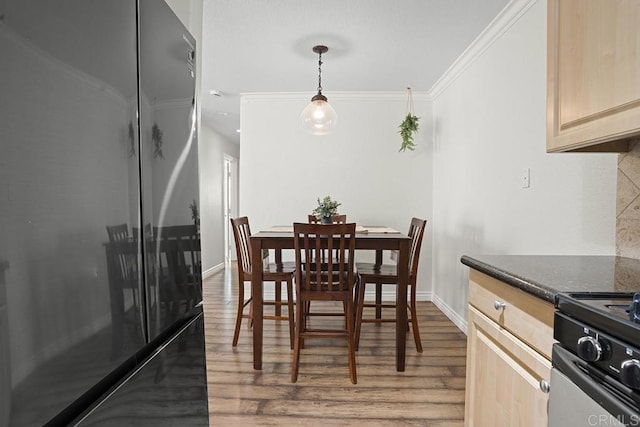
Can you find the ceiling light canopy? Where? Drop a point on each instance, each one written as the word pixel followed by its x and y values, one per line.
pixel 319 117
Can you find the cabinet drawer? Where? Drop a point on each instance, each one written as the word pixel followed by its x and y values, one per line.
pixel 524 315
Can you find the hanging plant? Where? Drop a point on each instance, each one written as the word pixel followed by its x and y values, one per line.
pixel 409 126
pixel 156 137
pixel 195 214
pixel 132 147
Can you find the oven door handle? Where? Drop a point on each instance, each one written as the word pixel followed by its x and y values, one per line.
pixel 569 364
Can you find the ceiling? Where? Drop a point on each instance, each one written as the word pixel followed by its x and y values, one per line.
pixel 374 45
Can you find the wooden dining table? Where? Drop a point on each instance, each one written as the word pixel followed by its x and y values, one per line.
pixel 367 238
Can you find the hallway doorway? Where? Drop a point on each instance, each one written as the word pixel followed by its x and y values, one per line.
pixel 230 171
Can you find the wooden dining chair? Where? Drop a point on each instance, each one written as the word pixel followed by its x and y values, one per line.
pixel 319 281
pixel 124 274
pixel 148 232
pixel 382 274
pixel 274 272
pixel 118 233
pixel 179 263
pixel 125 262
pixel 335 219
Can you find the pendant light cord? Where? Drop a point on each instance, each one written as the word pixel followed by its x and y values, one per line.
pixel 409 101
pixel 319 72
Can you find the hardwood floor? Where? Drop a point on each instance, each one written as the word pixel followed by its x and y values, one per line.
pixel 429 393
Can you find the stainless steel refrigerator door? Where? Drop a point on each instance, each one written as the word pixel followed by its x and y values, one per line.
pixel 168 389
pixel 68 169
pixel 169 160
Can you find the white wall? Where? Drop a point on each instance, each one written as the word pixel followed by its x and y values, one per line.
pixel 190 13
pixel 213 147
pixel 489 125
pixel 283 170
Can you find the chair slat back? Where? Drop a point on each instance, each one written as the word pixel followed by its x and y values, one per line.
pixel 335 219
pixel 124 262
pixel 148 232
pixel 416 231
pixel 118 233
pixel 241 234
pixel 124 253
pixel 181 246
pixel 336 242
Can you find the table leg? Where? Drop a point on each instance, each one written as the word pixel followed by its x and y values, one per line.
pixel 378 289
pixel 401 304
pixel 257 295
pixel 116 301
pixel 278 261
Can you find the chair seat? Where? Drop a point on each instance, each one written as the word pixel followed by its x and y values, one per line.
pixel 382 272
pixel 282 268
pixel 272 272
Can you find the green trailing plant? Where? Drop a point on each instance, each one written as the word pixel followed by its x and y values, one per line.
pixel 408 128
pixel 132 139
pixel 326 208
pixel 409 125
pixel 195 214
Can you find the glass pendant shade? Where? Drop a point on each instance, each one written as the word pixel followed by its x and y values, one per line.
pixel 319 117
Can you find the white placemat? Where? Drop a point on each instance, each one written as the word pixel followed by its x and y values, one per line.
pixel 359 229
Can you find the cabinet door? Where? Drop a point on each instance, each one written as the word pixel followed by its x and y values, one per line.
pixel 593 82
pixel 503 378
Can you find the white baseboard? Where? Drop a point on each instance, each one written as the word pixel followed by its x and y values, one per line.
pixel 213 270
pixel 21 368
pixel 424 296
pixel 390 295
pixel 451 314
pixel 387 295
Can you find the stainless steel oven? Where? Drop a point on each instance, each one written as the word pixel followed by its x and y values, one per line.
pixel 595 380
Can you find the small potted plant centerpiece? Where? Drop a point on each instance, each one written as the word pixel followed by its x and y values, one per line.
pixel 326 209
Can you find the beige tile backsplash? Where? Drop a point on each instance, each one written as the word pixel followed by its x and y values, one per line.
pixel 628 203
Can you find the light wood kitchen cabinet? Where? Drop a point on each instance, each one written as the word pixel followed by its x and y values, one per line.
pixel 593 83
pixel 508 355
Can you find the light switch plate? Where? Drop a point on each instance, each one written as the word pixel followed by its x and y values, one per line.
pixel 526 175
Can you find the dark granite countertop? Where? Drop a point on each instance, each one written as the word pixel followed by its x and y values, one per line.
pixel 545 276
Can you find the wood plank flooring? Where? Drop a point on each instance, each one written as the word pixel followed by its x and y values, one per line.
pixel 429 393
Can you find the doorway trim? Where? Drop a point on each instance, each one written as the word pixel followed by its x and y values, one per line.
pixel 230 204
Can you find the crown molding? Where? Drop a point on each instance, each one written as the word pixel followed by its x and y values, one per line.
pixel 345 95
pixel 496 28
pixel 45 59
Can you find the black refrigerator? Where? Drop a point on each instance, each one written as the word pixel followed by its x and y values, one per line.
pixel 101 317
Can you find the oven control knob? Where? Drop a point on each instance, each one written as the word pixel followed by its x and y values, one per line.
pixel 630 373
pixel 589 349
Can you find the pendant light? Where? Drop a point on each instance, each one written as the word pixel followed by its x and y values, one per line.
pixel 319 117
